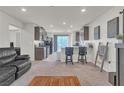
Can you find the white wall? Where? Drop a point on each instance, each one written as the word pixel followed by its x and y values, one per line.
pixel 15 36
pixel 27 40
pixel 102 21
pixel 27 34
pixel 5 21
pixel 12 36
pixel 73 38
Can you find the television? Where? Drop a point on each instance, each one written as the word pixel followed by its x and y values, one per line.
pixel 97 33
pixel 113 28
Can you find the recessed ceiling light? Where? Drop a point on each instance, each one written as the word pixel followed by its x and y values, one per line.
pixel 71 26
pixel 83 10
pixel 51 26
pixel 23 10
pixel 64 23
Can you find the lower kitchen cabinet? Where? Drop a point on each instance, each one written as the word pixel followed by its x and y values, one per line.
pixel 39 53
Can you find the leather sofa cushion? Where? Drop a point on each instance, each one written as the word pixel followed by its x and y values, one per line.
pixel 20 64
pixel 8 81
pixel 22 57
pixel 21 72
pixel 6 60
pixel 7 55
pixel 4 52
pixel 6 72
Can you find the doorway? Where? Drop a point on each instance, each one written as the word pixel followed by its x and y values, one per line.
pixel 15 35
pixel 61 41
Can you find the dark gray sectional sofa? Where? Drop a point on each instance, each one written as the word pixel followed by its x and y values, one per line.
pixel 12 66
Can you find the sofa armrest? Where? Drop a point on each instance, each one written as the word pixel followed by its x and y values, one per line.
pixel 22 57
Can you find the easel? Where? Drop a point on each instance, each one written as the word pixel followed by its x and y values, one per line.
pixel 103 55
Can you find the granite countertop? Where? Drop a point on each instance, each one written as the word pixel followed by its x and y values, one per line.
pixel 39 47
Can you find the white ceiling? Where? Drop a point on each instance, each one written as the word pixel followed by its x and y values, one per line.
pixel 48 15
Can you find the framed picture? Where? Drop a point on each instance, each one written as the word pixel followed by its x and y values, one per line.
pixel 113 27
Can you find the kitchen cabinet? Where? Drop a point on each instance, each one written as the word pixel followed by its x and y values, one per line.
pixel 39 53
pixel 37 33
pixel 77 36
pixel 86 32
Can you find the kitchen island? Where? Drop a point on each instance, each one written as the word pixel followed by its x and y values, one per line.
pixel 61 54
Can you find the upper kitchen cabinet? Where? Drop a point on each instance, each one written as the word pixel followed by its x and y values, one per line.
pixel 43 33
pixel 40 33
pixel 86 32
pixel 37 33
pixel 77 37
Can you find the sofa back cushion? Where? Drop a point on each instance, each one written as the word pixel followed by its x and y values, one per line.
pixel 7 55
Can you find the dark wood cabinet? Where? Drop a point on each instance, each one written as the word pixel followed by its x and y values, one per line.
pixel 37 33
pixel 39 36
pixel 86 32
pixel 77 36
pixel 39 53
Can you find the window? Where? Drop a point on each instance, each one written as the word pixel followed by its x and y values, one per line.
pixel 62 42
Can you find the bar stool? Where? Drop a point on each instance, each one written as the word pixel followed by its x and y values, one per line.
pixel 69 54
pixel 82 54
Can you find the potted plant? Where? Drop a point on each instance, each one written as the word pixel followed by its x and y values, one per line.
pixel 120 38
